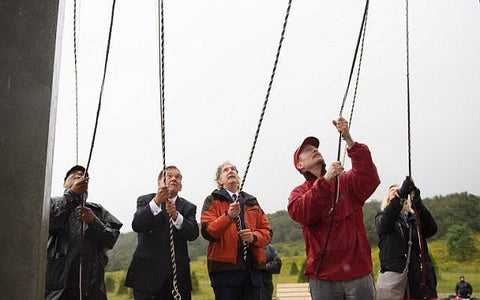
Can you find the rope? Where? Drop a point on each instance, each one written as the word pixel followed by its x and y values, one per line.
pixel 76 76
pixel 358 78
pixel 93 141
pixel 175 291
pixel 415 208
pixel 267 96
pixel 360 41
pixel 264 108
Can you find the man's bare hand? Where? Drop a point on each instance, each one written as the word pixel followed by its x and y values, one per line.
pixel 333 171
pixel 162 195
pixel 246 235
pixel 85 214
pixel 80 186
pixel 171 209
pixel 234 210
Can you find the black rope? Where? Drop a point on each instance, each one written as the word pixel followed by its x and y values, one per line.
pixel 93 142
pixel 76 76
pixel 409 125
pixel 264 108
pixel 360 41
pixel 102 86
pixel 175 291
pixel 161 75
pixel 267 96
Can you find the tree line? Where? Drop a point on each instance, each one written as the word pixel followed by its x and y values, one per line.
pixel 449 211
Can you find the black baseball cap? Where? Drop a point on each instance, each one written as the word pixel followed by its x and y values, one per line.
pixel 75 169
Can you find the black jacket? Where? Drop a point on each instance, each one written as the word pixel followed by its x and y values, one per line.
pixel 151 267
pixel 393 230
pixel 63 248
pixel 273 266
pixel 463 288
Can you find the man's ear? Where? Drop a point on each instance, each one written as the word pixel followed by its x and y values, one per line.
pixel 299 166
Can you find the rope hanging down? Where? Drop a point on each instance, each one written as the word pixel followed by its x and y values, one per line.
pixel 93 142
pixel 414 205
pixel 161 63
pixel 76 76
pixel 267 96
pixel 360 44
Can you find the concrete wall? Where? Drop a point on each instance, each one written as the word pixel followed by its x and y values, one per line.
pixel 28 95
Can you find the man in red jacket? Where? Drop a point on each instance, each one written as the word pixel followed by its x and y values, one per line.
pixel 339 262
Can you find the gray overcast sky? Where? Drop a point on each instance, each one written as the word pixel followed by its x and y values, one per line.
pixel 219 56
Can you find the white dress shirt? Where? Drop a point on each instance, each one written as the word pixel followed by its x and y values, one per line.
pixel 155 209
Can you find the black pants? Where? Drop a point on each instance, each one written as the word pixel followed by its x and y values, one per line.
pixel 245 292
pixel 164 294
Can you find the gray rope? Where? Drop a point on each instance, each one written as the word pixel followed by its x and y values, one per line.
pixel 175 291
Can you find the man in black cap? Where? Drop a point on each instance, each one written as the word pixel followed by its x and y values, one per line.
pixel 67 252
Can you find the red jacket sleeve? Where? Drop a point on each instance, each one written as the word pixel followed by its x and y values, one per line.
pixel 263 231
pixel 310 202
pixel 362 179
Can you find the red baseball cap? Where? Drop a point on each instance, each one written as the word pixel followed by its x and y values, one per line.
pixel 311 140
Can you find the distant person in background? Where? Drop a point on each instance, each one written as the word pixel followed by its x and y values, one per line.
pixel 233 276
pixel 150 272
pixel 273 266
pixel 65 246
pixel 393 224
pixel 463 289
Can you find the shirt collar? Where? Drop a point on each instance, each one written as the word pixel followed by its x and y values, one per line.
pixel 231 193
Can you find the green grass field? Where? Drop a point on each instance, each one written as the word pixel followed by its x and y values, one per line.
pixel 448 271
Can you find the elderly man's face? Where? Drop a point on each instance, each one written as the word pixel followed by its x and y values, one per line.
pixel 173 180
pixel 229 176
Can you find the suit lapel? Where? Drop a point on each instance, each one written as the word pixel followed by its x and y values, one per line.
pixel 180 205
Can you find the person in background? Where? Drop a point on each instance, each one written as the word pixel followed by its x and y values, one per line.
pixel 463 289
pixel 150 272
pixel 340 268
pixel 273 266
pixel 234 274
pixel 65 246
pixel 393 223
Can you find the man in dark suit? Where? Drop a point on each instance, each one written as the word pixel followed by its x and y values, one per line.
pixel 150 272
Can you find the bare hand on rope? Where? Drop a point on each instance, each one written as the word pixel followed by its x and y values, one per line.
pixel 171 209
pixel 162 195
pixel 80 185
pixel 85 214
pixel 342 126
pixel 234 210
pixel 333 171
pixel 246 235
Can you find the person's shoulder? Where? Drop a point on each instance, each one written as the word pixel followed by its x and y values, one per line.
pixel 147 197
pixel 186 202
